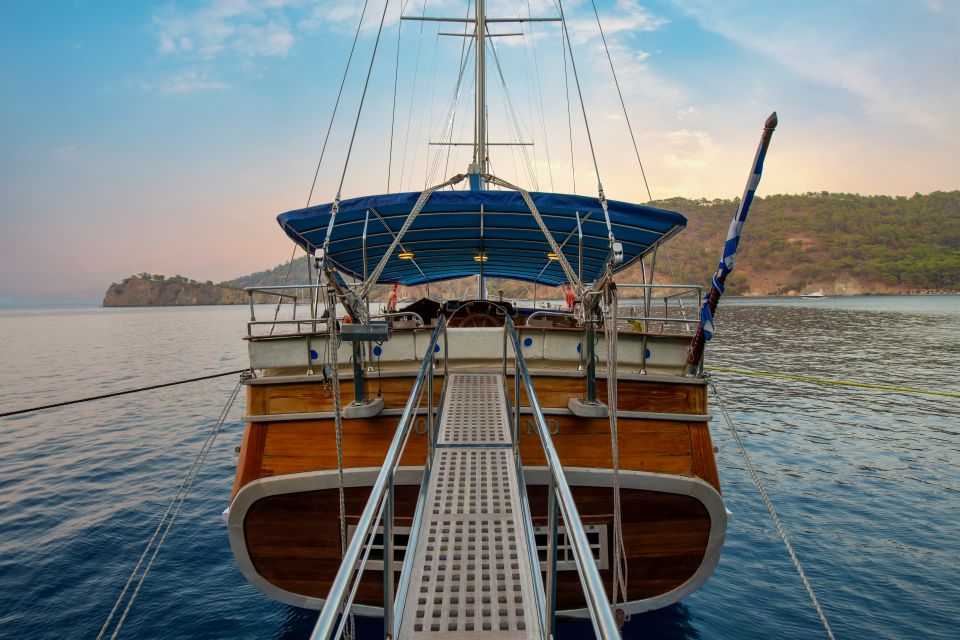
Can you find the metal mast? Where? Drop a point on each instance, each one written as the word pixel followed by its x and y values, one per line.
pixel 479 166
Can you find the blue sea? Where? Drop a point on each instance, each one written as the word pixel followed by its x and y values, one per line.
pixel 866 482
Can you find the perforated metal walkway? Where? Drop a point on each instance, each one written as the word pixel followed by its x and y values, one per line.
pixel 472 570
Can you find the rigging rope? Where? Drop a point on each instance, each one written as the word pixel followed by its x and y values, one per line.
pixel 583 107
pixel 323 151
pixel 338 422
pixel 356 121
pixel 413 93
pixel 515 120
pixel 168 518
pixel 393 110
pixel 464 51
pixel 336 103
pixel 536 72
pixel 566 88
pixel 846 383
pixel 769 504
pixel 622 103
pixel 121 393
pixel 586 126
pixel 620 565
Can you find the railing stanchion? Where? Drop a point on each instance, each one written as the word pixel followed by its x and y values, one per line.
pixel 516 404
pixel 505 349
pixel 388 603
pixel 340 596
pixel 601 615
pixel 551 586
pixel 431 423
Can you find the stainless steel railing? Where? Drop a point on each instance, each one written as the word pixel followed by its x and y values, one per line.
pixel 559 495
pixel 344 586
pixel 304 294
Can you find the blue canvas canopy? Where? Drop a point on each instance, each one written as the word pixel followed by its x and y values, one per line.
pixel 455 228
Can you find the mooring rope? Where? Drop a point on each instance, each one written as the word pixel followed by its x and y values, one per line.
pixel 846 383
pixel 773 512
pixel 166 521
pixel 121 393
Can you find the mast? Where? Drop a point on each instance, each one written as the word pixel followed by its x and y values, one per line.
pixel 479 166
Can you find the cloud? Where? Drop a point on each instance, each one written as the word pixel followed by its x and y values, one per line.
pixel 689 149
pixel 184 82
pixel 627 18
pixel 894 60
pixel 245 28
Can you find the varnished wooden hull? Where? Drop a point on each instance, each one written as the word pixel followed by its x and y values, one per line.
pixel 283 522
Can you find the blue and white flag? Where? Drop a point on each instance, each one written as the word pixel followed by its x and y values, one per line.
pixel 729 258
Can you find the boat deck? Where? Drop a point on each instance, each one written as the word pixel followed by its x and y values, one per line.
pixel 472 572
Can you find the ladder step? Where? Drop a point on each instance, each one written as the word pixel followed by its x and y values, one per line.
pixel 472 572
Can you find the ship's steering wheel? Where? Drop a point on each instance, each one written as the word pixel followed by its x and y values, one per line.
pixel 477 313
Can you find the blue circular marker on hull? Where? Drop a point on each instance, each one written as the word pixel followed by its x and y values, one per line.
pixel 377 351
pixel 314 355
pixel 436 348
pixel 527 342
pixel 578 347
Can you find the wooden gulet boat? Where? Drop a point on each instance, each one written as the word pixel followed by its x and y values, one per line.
pixel 516 464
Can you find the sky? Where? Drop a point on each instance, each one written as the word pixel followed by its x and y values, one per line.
pixel 166 136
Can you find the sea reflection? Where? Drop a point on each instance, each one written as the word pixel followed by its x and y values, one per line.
pixel 866 482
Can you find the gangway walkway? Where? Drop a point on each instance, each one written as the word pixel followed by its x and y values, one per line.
pixel 472 571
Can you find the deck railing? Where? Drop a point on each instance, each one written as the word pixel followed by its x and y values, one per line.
pixel 558 495
pixel 302 295
pixel 380 506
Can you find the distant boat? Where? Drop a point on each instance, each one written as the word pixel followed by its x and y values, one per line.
pixel 814 295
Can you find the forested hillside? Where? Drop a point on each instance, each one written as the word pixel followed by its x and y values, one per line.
pixel 841 243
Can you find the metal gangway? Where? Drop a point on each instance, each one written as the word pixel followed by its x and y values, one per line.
pixel 471 568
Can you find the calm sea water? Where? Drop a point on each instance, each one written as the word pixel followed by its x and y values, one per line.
pixel 866 482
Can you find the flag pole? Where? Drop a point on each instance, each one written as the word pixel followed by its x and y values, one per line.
pixel 709 309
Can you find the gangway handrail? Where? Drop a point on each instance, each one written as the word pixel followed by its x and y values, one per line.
pixel 601 614
pixel 336 599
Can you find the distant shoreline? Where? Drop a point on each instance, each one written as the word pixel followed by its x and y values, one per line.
pixel 98 304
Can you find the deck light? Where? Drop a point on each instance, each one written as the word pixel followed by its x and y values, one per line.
pixel 405 255
pixel 480 257
pixel 552 256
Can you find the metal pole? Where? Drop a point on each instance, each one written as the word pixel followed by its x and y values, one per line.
pixel 604 624
pixel 480 141
pixel 516 405
pixel 336 596
pixel 646 317
pixel 388 604
pixel 591 334
pixel 366 221
pixel 579 249
pixel 551 586
pixel 357 374
pixel 504 351
pixel 431 423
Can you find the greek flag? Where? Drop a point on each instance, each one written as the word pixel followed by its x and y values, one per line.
pixel 729 258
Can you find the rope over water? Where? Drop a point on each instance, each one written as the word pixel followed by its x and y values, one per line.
pixel 846 383
pixel 773 512
pixel 166 521
pixel 121 393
